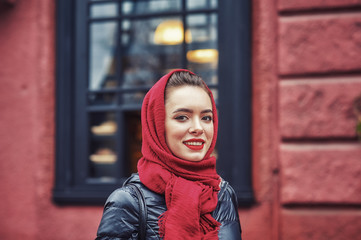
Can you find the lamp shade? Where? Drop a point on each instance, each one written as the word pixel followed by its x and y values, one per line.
pixel 170 32
pixel 202 55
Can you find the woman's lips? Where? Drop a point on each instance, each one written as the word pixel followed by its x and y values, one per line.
pixel 194 144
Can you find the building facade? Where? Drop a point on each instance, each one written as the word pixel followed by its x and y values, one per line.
pixel 306 154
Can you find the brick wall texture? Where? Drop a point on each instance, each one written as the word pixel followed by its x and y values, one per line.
pixel 319 71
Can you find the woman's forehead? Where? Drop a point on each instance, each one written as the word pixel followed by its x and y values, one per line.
pixel 188 96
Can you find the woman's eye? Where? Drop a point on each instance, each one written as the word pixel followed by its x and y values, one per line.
pixel 207 118
pixel 181 118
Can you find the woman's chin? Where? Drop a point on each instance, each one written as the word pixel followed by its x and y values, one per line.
pixel 194 157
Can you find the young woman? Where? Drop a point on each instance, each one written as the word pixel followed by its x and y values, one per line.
pixel 184 195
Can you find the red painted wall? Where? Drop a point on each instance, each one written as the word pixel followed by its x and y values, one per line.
pixel 319 77
pixel 27 140
pixel 306 158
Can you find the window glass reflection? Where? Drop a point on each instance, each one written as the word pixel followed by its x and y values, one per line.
pixel 102 149
pixel 144 61
pixel 104 10
pixel 203 27
pixel 202 52
pixel 134 98
pixel 150 6
pixel 103 99
pixel 102 52
pixel 201 4
pixel 103 124
pixel 133 139
pixel 102 160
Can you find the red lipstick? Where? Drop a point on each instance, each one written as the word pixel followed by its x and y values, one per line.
pixel 194 144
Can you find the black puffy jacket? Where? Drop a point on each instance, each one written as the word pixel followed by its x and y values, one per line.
pixel 121 213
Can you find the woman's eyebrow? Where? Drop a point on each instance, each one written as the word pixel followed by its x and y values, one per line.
pixel 207 111
pixel 183 110
pixel 191 111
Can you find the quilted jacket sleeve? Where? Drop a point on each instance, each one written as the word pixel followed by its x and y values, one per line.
pixel 227 214
pixel 120 217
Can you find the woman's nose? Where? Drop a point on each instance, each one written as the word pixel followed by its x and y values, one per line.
pixel 196 128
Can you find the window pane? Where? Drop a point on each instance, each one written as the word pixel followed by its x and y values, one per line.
pixel 102 55
pixel 102 98
pixel 104 10
pixel 102 149
pixel 133 139
pixel 144 59
pixel 133 98
pixel 202 51
pixel 203 27
pixel 150 6
pixel 201 4
pixel 103 159
pixel 103 124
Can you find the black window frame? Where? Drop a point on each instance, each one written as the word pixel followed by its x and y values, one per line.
pixel 234 73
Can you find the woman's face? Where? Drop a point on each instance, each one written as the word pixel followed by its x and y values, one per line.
pixel 188 122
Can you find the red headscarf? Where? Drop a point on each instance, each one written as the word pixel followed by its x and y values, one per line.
pixel 190 188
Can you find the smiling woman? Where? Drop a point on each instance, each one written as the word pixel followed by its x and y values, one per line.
pixel 188 122
pixel 185 196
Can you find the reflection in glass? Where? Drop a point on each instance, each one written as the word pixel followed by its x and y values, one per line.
pixel 208 71
pixel 105 128
pixel 133 139
pixel 125 36
pixel 104 10
pixel 201 4
pixel 203 27
pixel 150 6
pixel 102 160
pixel 171 32
pixel 103 124
pixel 146 61
pixel 202 55
pixel 103 155
pixel 102 53
pixel 102 98
pixel 134 98
pixel 102 149
pixel 202 52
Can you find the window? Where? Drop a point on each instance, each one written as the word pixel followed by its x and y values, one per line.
pixel 110 53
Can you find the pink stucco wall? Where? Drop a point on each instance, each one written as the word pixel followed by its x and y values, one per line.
pixel 306 158
pixel 27 79
pixel 319 78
